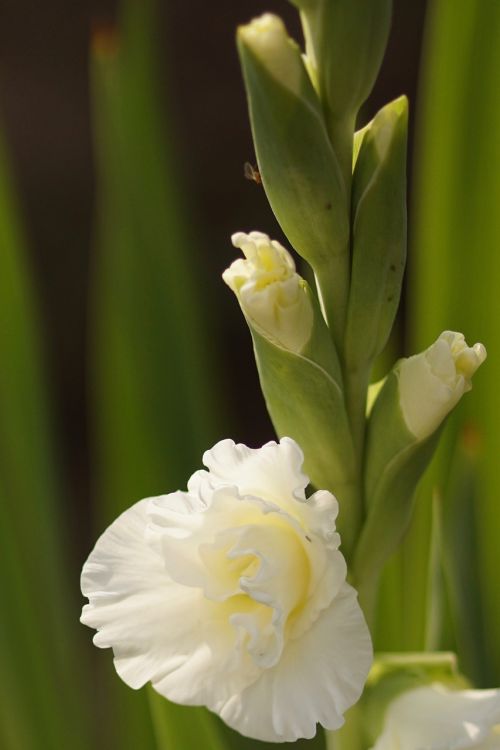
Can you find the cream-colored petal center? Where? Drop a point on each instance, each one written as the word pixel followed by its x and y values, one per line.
pixel 260 574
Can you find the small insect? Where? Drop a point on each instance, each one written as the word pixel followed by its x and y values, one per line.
pixel 252 173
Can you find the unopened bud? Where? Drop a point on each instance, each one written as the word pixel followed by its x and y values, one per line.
pixel 270 291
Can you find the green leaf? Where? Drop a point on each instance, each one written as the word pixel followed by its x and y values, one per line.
pixel 455 266
pixel 350 736
pixel 184 726
pixel 379 235
pixel 43 706
pixel 460 541
pixel 153 379
pixel 345 44
pixel 154 401
pixel 395 462
pixel 305 399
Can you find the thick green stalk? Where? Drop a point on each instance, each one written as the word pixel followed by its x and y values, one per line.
pixel 350 736
pixel 332 282
pixel 355 397
pixel 341 132
pixel 349 523
pixel 356 387
pixel 368 589
pixel 333 277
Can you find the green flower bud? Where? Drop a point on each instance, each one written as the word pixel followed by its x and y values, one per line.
pixel 403 431
pixel 379 234
pixel 345 44
pixel 297 163
pixel 298 367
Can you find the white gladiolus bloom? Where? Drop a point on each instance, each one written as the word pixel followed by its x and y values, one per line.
pixel 436 718
pixel 270 292
pixel 432 383
pixel 233 595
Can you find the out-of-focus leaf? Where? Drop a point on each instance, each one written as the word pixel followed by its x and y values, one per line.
pixel 460 554
pixel 153 384
pixel 438 626
pixel 153 380
pixel 42 701
pixel 245 743
pixel 183 727
pixel 349 736
pixel 455 268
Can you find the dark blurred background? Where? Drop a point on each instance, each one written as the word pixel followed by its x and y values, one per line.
pixel 45 108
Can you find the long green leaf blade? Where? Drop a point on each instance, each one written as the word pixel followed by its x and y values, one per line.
pixel 43 705
pixel 455 264
pixel 152 379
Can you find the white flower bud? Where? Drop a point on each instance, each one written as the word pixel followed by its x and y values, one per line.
pixel 272 295
pixel 266 37
pixel 431 383
pixel 437 718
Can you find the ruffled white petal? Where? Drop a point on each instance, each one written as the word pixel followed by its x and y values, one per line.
pixel 233 595
pixel 273 472
pixel 436 718
pixel 319 676
pixel 125 581
pixel 160 631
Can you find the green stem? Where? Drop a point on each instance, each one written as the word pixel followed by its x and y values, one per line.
pixel 367 589
pixel 350 517
pixel 341 132
pixel 356 381
pixel 356 385
pixel 332 281
pixel 350 735
pixel 333 275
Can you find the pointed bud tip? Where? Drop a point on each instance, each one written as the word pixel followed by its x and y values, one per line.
pixel 396 110
pixel 265 40
pixel 261 32
pixel 401 104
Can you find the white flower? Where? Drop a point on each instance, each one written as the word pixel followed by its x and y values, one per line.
pixel 432 383
pixel 233 595
pixel 436 718
pixel 271 293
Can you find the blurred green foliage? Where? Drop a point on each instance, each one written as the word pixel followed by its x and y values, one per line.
pixel 453 282
pixel 156 405
pixel 40 648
